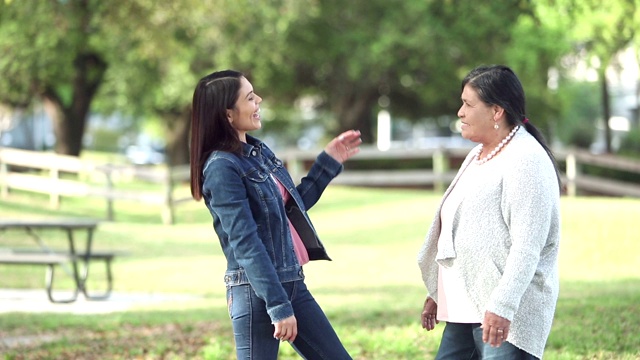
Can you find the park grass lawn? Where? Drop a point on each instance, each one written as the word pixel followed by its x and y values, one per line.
pixel 371 291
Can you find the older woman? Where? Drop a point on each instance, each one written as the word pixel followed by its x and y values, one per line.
pixel 489 261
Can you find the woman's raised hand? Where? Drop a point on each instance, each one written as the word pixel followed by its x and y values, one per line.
pixel 344 145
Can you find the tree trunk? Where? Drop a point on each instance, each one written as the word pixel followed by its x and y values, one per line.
pixel 177 138
pixel 606 108
pixel 354 110
pixel 69 120
pixel 68 126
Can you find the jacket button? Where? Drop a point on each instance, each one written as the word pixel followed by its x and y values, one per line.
pixel 253 153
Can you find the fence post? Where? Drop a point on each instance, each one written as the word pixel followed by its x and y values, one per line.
pixel 167 208
pixel 54 194
pixel 440 168
pixel 572 174
pixel 4 185
pixel 294 165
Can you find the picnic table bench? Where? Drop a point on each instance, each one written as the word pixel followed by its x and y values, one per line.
pixel 78 260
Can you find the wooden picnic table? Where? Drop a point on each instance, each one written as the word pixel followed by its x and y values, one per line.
pixel 78 257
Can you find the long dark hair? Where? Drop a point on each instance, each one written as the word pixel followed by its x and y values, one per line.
pixel 210 129
pixel 499 85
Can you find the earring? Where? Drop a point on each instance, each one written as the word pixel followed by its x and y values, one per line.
pixel 496 126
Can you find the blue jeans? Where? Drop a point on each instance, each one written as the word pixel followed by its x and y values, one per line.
pixel 464 342
pixel 253 330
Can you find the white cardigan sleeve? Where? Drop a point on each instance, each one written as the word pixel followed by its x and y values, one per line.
pixel 529 196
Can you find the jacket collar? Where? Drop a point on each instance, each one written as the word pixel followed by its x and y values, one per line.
pixel 252 144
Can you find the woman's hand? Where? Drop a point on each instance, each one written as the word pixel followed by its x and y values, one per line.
pixel 344 146
pixel 495 329
pixel 287 329
pixel 429 311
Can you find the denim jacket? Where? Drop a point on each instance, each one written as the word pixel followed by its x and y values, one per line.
pixel 250 220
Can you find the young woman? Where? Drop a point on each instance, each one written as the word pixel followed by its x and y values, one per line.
pixel 253 200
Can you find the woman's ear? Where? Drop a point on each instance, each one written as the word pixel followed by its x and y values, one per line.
pixel 498 112
pixel 230 115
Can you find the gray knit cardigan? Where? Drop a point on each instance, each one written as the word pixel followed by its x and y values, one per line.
pixel 506 234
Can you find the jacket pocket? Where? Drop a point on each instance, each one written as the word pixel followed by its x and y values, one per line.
pixel 259 181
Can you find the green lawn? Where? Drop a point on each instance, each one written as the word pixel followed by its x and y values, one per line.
pixel 371 291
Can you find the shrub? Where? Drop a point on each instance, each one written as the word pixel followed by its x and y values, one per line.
pixel 630 145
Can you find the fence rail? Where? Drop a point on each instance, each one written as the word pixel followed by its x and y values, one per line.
pixel 438 176
pixel 575 180
pixel 67 176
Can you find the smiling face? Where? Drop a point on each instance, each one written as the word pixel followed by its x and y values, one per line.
pixel 478 118
pixel 245 115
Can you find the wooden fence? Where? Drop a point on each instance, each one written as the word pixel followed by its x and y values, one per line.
pixel 575 181
pixel 60 176
pixel 438 176
pixel 69 176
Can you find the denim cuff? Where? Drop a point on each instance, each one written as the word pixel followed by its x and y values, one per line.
pixel 329 163
pixel 280 312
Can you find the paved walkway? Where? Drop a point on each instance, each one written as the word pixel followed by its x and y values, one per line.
pixel 35 300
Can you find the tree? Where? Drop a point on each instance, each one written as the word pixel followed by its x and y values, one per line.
pixel 165 56
pixel 251 37
pixel 539 40
pixel 52 52
pixel 143 58
pixel 61 51
pixel 353 55
pixel 602 32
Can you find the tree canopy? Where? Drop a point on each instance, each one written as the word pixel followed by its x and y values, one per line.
pixel 143 58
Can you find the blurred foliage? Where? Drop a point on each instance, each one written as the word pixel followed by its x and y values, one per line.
pixel 630 145
pixel 106 140
pixel 580 112
pixel 598 34
pixel 317 63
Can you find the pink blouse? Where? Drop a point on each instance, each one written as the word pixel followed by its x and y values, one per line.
pixel 298 246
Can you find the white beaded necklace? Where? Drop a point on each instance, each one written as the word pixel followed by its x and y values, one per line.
pixel 495 151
